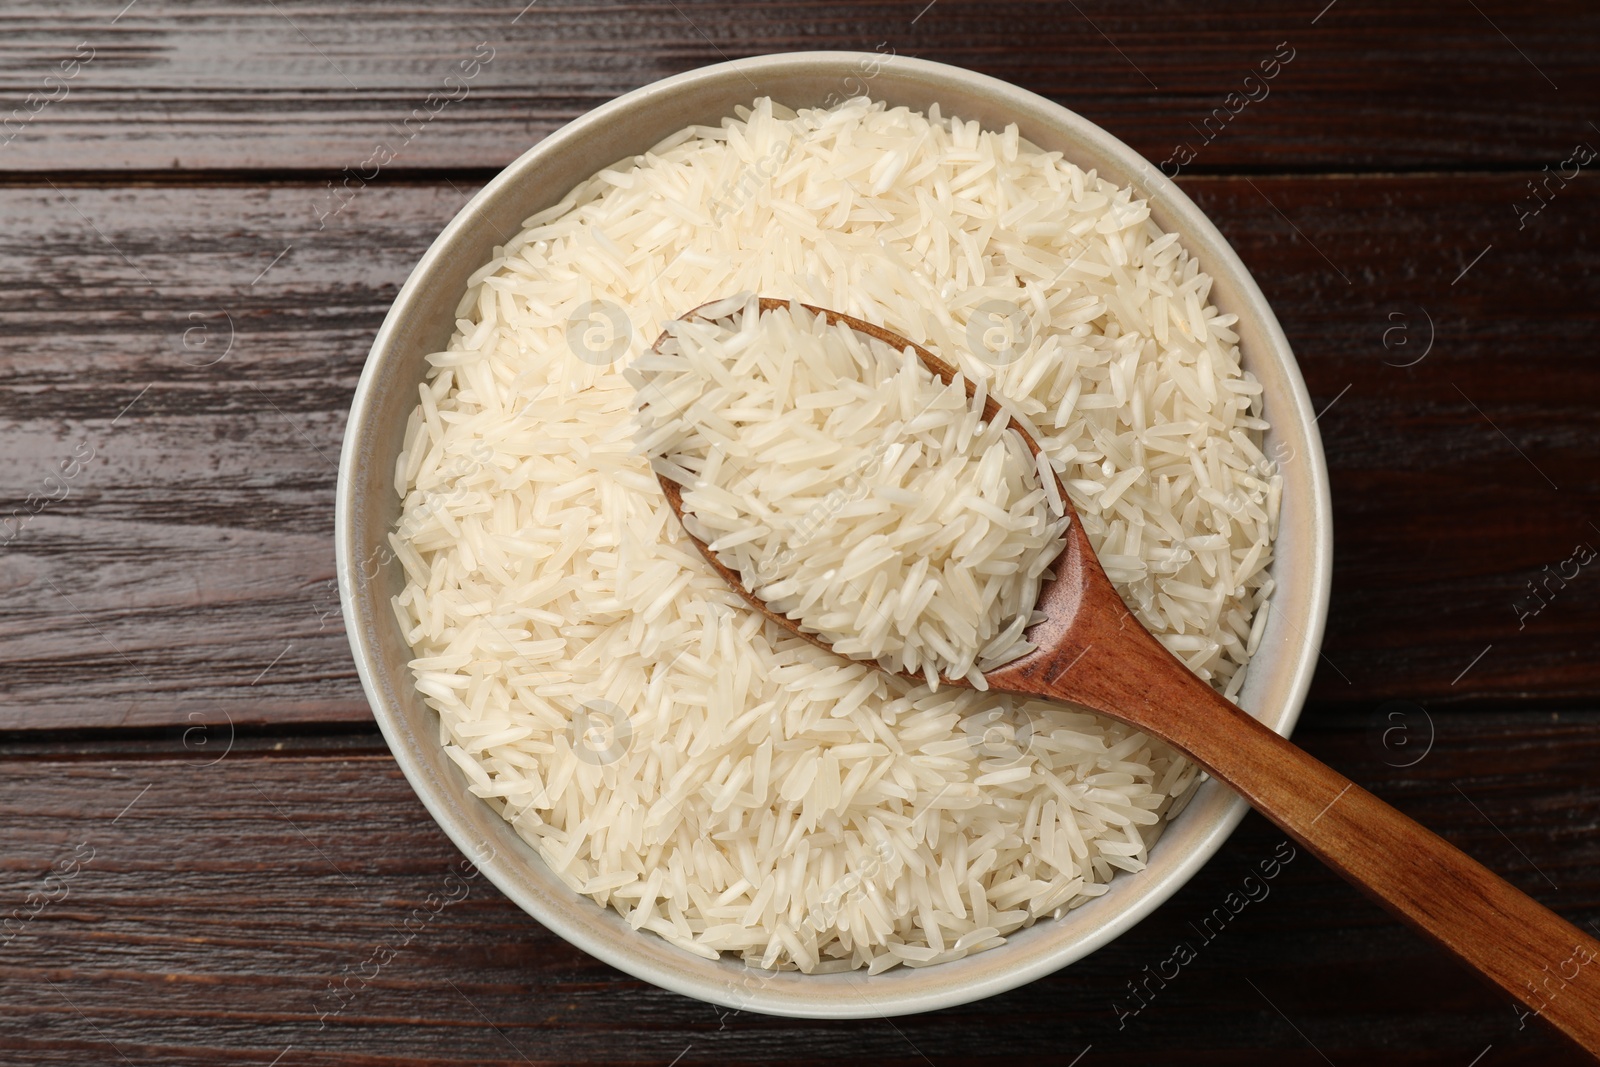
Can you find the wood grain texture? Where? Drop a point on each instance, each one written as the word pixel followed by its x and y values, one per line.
pixel 171 301
pixel 186 571
pixel 224 895
pixel 194 551
pixel 309 84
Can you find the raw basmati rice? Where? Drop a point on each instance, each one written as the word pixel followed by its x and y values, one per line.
pixel 852 490
pixel 715 779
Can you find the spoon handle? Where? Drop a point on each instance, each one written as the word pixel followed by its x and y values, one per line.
pixel 1545 962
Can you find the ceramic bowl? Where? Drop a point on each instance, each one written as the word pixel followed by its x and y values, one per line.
pixel 421 321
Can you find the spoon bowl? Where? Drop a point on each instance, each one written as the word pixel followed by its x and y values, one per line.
pixel 1091 651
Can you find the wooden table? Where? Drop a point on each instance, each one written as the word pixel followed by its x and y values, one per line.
pixel 203 831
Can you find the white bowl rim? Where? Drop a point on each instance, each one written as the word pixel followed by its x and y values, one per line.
pixel 874 997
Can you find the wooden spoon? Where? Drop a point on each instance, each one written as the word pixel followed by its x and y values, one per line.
pixel 1092 652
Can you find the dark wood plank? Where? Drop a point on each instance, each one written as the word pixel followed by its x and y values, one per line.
pixel 1449 352
pixel 214 901
pixel 187 569
pixel 306 84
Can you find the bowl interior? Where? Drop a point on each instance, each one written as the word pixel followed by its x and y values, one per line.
pixel 421 322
